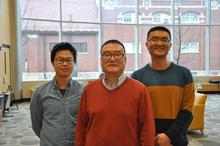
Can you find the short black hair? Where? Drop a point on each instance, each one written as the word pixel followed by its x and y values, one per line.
pixel 112 41
pixel 158 28
pixel 63 46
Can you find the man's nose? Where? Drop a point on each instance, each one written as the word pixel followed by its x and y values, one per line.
pixel 65 62
pixel 112 57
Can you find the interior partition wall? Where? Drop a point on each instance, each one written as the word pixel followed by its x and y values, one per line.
pixel 86 24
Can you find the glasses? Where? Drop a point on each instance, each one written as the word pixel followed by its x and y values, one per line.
pixel 116 55
pixel 68 61
pixel 163 41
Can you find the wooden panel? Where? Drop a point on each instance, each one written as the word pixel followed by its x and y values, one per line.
pixel 210 87
pixel 5 43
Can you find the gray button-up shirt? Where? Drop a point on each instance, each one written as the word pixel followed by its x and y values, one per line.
pixel 54 115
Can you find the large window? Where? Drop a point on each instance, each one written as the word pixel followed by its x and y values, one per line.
pixel 36 39
pixel 86 24
pixel 214 51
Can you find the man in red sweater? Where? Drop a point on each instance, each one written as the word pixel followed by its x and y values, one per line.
pixel 115 110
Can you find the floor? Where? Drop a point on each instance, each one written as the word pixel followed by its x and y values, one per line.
pixel 212 124
pixel 15 130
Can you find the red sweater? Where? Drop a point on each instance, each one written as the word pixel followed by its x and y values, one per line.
pixel 119 117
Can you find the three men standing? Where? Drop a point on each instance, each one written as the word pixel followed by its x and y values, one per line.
pixel 116 110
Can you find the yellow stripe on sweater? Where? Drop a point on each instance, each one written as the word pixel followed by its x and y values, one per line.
pixel 167 101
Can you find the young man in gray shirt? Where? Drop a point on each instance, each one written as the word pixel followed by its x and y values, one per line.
pixel 54 105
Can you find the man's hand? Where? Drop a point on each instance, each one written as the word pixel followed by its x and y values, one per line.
pixel 162 140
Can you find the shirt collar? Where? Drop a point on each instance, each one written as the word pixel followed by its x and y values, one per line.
pixel 54 83
pixel 121 79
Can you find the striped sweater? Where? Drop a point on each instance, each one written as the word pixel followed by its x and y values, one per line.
pixel 172 93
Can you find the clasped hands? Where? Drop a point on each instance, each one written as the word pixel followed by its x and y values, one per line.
pixel 162 140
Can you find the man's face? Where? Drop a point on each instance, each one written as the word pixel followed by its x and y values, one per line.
pixel 63 63
pixel 158 44
pixel 113 59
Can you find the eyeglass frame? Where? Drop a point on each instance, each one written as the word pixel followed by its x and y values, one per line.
pixel 155 40
pixel 112 54
pixel 61 60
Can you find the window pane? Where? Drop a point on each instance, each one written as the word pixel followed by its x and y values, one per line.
pixel 190 12
pixel 215 11
pixel 40 9
pixel 36 39
pixel 190 37
pixel 161 2
pixel 190 18
pixel 144 57
pixel 116 11
pixel 120 32
pixel 80 10
pixel 161 18
pixel 215 51
pixel 190 2
pixel 129 18
pixel 84 38
pixel 156 12
pixel 189 47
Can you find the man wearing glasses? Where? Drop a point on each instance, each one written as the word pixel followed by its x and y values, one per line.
pixel 115 110
pixel 54 105
pixel 171 90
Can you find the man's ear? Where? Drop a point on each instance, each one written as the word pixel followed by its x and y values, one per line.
pixel 146 45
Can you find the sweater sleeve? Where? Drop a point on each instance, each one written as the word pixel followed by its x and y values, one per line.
pixel 184 117
pixel 146 120
pixel 180 125
pixel 82 121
